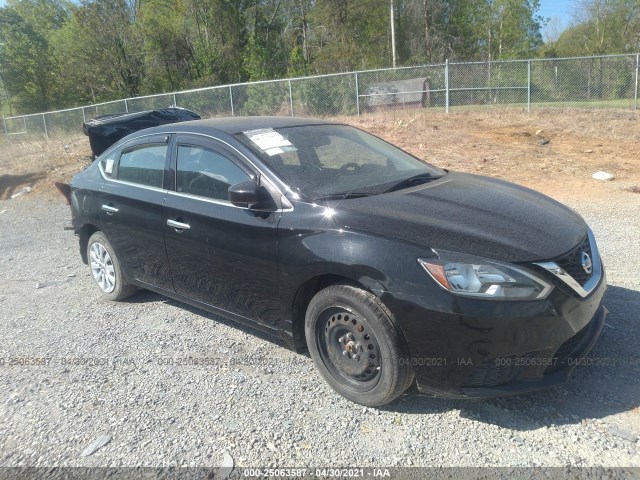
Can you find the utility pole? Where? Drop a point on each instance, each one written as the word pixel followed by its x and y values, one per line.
pixel 392 18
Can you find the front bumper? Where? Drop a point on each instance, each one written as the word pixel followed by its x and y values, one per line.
pixel 557 371
pixel 474 348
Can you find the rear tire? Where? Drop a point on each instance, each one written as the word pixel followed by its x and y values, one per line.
pixel 105 269
pixel 355 343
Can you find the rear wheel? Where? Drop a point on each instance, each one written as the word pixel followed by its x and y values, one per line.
pixel 354 342
pixel 105 268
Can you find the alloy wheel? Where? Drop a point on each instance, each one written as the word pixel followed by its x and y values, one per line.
pixel 102 267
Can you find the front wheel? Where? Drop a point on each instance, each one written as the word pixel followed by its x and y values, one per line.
pixel 105 268
pixel 356 346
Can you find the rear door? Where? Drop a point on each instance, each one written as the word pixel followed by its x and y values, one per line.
pixel 220 254
pixel 130 208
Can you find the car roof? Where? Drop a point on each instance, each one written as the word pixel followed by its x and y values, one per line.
pixel 233 125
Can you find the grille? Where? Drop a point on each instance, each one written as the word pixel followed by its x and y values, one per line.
pixel 572 262
pixel 495 371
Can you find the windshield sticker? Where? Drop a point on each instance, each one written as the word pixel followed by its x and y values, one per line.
pixel 270 141
pixel 108 168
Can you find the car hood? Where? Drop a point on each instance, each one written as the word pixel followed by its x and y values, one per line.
pixel 470 214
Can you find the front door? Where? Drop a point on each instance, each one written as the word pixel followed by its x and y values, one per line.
pixel 220 254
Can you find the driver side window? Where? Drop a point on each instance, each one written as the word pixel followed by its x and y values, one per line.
pixel 206 173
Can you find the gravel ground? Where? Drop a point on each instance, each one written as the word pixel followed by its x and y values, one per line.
pixel 257 402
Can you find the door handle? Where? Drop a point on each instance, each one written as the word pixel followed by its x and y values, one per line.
pixel 109 209
pixel 178 225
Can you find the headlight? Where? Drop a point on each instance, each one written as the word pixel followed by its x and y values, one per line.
pixel 486 279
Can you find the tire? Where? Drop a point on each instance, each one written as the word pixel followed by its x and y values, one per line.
pixel 105 269
pixel 344 318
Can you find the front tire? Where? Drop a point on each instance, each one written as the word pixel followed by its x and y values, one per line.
pixel 105 268
pixel 356 345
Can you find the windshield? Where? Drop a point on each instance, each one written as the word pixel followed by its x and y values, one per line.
pixel 329 160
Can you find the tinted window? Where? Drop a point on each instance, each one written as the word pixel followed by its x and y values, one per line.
pixel 143 165
pixel 206 173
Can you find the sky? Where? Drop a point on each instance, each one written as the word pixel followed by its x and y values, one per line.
pixel 562 9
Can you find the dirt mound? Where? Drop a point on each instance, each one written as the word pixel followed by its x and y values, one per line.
pixel 39 162
pixel 553 151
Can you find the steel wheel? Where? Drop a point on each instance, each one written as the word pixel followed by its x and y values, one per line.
pixel 348 348
pixel 102 267
pixel 355 343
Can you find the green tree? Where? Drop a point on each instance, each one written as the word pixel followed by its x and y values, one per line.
pixel 433 30
pixel 517 28
pixel 28 63
pixel 217 37
pixel 297 33
pixel 266 54
pixel 5 100
pixel 101 51
pixel 349 34
pixel 57 54
pixel 603 27
pixel 167 54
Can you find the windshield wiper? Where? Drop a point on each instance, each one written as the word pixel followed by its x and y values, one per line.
pixel 411 181
pixel 343 196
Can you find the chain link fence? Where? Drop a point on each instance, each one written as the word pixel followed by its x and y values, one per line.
pixel 585 82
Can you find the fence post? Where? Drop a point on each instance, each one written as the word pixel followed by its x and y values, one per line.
pixel 175 102
pixel 6 130
pixel 126 106
pixel 44 123
pixel 231 99
pixel 635 97
pixel 529 86
pixel 84 117
pixel 24 122
pixel 446 84
pixel 357 95
pixel 290 98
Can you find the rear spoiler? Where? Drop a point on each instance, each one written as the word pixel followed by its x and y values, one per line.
pixel 65 191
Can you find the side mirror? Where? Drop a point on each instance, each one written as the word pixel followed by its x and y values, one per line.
pixel 251 195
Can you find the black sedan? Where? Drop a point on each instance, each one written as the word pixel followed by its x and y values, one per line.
pixel 388 270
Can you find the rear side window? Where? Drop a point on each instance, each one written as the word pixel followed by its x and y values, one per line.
pixel 143 164
pixel 206 173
